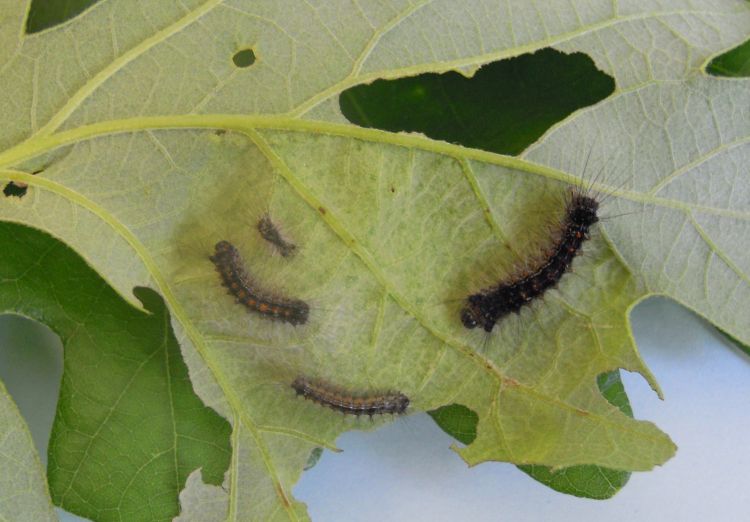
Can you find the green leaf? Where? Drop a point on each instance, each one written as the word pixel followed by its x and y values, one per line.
pixel 503 108
pixel 151 145
pixel 589 481
pixel 44 14
pixel 458 421
pixel 734 63
pixel 201 502
pixel 23 490
pixel 129 428
pixel 315 455
pixel 583 481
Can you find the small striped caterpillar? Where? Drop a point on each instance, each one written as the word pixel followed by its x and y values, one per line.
pixel 270 232
pixel 234 276
pixel 348 402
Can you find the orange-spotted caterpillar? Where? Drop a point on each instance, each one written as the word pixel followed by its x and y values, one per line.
pixel 349 402
pixel 234 276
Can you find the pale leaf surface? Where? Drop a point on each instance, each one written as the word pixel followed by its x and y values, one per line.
pixel 153 146
pixel 23 489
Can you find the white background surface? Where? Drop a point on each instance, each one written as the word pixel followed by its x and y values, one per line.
pixel 406 471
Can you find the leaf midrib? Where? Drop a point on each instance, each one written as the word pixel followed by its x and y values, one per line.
pixel 247 124
pixel 118 63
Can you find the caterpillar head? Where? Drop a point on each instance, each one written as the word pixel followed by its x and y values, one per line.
pixel 477 313
pixel 583 210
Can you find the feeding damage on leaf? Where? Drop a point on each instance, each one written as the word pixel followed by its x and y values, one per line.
pixel 14 188
pixel 389 226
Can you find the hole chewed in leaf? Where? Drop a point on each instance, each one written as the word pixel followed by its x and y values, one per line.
pixel 734 63
pixel 44 14
pixel 315 455
pixel 244 58
pixel 458 421
pixel 16 189
pixel 503 108
pixel 589 481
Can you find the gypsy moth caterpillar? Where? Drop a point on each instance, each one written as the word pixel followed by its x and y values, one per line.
pixel 486 307
pixel 349 402
pixel 246 291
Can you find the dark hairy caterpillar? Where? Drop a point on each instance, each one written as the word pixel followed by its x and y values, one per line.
pixel 270 232
pixel 488 306
pixel 231 268
pixel 348 402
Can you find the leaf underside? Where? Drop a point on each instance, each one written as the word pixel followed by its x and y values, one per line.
pixel 142 171
pixel 448 107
